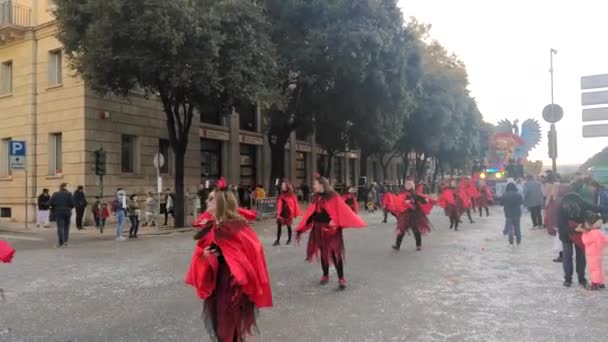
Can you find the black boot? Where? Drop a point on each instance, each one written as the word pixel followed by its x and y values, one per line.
pixel 559 258
pixel 288 235
pixel 398 241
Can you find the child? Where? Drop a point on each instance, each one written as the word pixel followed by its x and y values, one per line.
pixel 595 241
pixel 97 211
pixel 512 201
pixel 101 215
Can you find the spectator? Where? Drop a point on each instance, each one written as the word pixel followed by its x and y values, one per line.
pixel 102 213
pixel 80 203
pixel 533 200
pixel 97 211
pixel 119 207
pixel 512 202
pixel 260 193
pixel 150 209
pixel 134 214
pixel 166 205
pixel 519 169
pixel 42 218
pixel 61 204
pixel 305 192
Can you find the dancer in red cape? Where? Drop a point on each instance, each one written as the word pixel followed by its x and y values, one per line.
pixel 326 216
pixel 411 209
pixel 350 198
pixel 287 209
pixel 6 252
pixel 485 198
pixel 228 268
pixel 452 203
pixel 465 193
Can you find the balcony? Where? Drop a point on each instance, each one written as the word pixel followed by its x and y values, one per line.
pixel 15 20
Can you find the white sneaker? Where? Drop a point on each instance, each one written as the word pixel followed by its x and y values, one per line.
pixel 120 239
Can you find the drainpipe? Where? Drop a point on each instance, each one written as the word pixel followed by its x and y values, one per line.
pixel 34 115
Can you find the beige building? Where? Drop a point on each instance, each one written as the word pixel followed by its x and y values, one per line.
pixel 63 122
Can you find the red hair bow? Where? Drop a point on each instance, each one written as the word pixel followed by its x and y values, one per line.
pixel 221 184
pixel 317 175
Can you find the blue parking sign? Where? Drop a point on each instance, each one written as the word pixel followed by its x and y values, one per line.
pixel 17 155
pixel 17 148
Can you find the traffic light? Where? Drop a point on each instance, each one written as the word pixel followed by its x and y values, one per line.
pixel 100 162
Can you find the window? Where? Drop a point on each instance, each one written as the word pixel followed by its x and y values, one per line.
pixel 6 78
pixel 129 160
pixel 353 172
pixel 55 154
pixel 4 159
pixel 248 117
pixel 164 148
pixel 6 212
pixel 248 176
pixel 55 68
pixel 301 167
pixel 211 159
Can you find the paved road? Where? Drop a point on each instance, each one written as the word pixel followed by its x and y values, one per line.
pixel 463 286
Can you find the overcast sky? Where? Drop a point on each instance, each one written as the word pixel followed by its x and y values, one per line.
pixel 505 46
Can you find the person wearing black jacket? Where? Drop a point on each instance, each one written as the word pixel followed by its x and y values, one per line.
pixel 571 213
pixel 80 203
pixel 62 203
pixel 512 202
pixel 42 219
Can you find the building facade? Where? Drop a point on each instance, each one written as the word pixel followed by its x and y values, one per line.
pixel 63 122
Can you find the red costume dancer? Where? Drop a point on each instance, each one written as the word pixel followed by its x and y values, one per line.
pixel 350 198
pixel 451 202
pixel 485 198
pixel 6 252
pixel 228 268
pixel 411 209
pixel 467 201
pixel 327 215
pixel 287 209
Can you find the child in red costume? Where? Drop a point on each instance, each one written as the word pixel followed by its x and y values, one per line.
pixel 350 198
pixel 595 241
pixel 228 268
pixel 6 252
pixel 287 209
pixel 465 194
pixel 485 198
pixel 326 216
pixel 452 203
pixel 411 209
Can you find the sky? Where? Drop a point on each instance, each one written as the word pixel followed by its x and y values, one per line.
pixel 506 48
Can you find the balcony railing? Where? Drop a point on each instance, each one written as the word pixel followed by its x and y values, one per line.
pixel 14 14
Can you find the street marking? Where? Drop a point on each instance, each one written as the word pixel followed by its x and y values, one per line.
pixel 26 238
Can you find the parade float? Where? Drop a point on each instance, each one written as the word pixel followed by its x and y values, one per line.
pixel 509 144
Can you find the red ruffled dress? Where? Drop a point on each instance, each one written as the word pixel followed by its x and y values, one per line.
pixel 326 216
pixel 6 252
pixel 351 201
pixel 287 208
pixel 411 210
pixel 234 283
pixel 485 198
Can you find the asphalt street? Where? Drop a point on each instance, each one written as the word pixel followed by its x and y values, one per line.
pixel 463 286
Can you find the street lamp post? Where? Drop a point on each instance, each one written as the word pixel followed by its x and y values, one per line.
pixel 552 114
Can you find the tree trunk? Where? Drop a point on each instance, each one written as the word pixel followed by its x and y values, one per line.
pixel 435 172
pixel 420 168
pixel 328 165
pixel 277 161
pixel 179 208
pixel 406 165
pixel 363 164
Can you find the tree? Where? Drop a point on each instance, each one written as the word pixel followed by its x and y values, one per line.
pixel 185 53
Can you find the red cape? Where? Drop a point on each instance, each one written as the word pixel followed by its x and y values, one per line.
pixel 420 188
pixel 397 204
pixel 488 193
pixel 447 198
pixel 244 255
pixel 205 217
pixel 292 204
pixel 6 252
pixel 341 215
pixel 348 196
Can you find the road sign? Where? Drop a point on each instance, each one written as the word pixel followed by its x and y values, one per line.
pixel 159 160
pixel 17 155
pixel 595 114
pixel 594 131
pixel 594 82
pixel 594 98
pixel 553 113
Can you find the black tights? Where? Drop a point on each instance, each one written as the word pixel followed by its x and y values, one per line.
pixel 417 236
pixel 454 220
pixel 337 264
pixel 481 212
pixel 469 215
pixel 279 228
